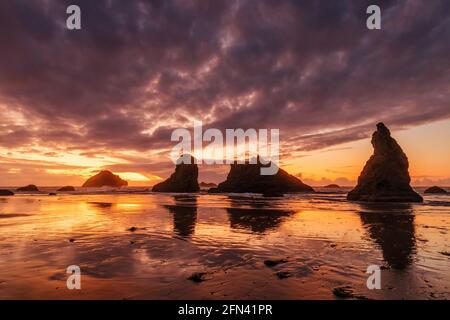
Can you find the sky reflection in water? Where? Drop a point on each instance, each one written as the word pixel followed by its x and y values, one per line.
pixel 326 241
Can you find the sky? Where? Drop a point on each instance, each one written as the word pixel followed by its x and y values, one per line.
pixel 109 95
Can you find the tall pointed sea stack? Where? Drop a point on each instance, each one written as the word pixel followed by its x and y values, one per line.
pixel 184 179
pixel 385 176
pixel 247 177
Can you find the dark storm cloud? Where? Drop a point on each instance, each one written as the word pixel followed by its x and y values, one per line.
pixel 138 69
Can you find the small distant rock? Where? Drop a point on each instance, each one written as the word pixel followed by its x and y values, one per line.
pixel 197 277
pixel 105 179
pixel 435 189
pixel 207 185
pixel 132 229
pixel 274 262
pixel 30 188
pixel 72 240
pixel 332 186
pixel 283 274
pixel 52 194
pixel 6 193
pixel 445 253
pixel 66 189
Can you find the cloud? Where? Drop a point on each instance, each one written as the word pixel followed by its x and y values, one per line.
pixel 139 69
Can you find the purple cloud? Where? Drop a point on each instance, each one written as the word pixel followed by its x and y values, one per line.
pixel 138 69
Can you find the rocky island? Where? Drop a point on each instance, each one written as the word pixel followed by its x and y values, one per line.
pixel 29 188
pixel 66 189
pixel 247 177
pixel 207 185
pixel 385 177
pixel 436 190
pixel 332 186
pixel 6 192
pixel 184 179
pixel 105 178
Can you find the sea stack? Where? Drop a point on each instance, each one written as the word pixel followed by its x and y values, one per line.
pixel 385 177
pixel 247 177
pixel 184 179
pixel 105 179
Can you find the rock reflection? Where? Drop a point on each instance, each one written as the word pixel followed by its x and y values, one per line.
pixel 102 205
pixel 12 215
pixel 391 226
pixel 184 215
pixel 258 215
pixel 256 220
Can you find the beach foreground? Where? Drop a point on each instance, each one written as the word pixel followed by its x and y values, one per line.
pixel 147 245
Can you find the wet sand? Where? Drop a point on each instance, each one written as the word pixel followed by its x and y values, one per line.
pixel 326 242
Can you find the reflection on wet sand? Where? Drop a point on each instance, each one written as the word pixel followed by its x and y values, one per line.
pixel 184 215
pixel 256 220
pixel 16 215
pixel 245 201
pixel 391 226
pixel 259 217
pixel 146 247
pixel 101 205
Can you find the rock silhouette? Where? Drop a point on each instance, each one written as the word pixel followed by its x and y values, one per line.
pixel 392 227
pixel 435 189
pixel 66 189
pixel 207 185
pixel 332 186
pixel 385 176
pixel 6 193
pixel 247 178
pixel 184 179
pixel 184 215
pixel 30 188
pixel 105 179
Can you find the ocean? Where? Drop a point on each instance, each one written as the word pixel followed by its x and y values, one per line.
pixel 134 244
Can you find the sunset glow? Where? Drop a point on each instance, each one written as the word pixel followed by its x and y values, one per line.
pixel 221 156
